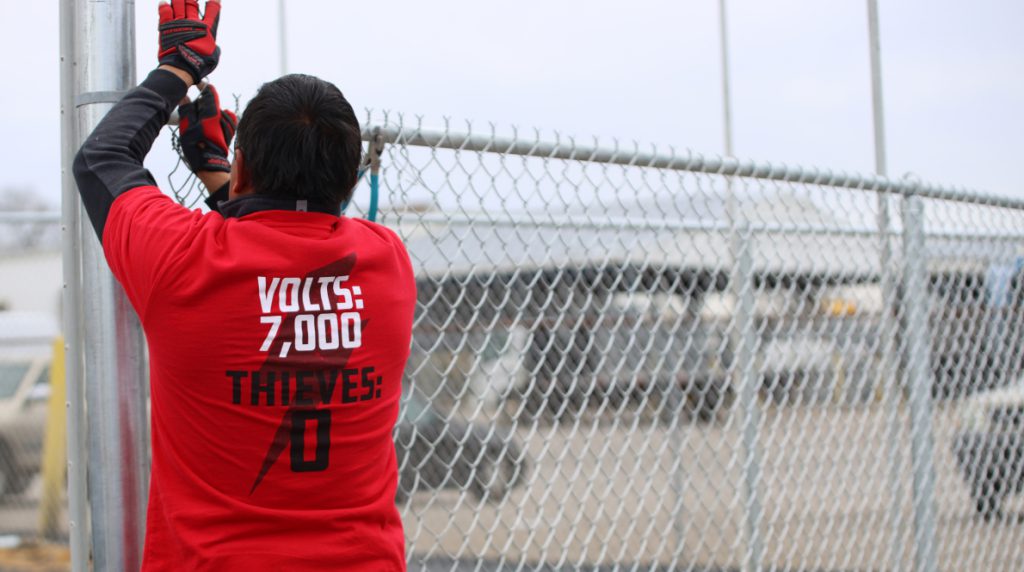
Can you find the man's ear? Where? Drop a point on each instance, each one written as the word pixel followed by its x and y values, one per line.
pixel 241 182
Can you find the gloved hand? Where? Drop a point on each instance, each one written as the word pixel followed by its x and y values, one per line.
pixel 186 41
pixel 205 132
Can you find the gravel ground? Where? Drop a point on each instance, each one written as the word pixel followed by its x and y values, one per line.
pixel 659 498
pixel 36 558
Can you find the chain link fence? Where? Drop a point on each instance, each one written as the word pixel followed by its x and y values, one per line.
pixel 24 393
pixel 640 359
pixel 635 358
pixel 30 506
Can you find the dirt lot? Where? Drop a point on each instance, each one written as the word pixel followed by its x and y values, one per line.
pixel 631 491
pixel 35 558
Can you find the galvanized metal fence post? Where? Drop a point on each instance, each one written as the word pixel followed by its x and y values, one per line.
pixel 889 378
pixel 78 529
pixel 112 342
pixel 746 356
pixel 918 348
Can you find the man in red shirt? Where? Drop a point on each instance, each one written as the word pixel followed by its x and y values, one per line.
pixel 278 330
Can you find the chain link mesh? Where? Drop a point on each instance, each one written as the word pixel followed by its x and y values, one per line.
pixel 31 445
pixel 622 361
pixel 185 187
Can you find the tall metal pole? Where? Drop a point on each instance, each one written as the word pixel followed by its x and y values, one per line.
pixel 746 356
pixel 922 442
pixel 726 97
pixel 889 378
pixel 743 336
pixel 875 48
pixel 282 36
pixel 78 514
pixel 112 343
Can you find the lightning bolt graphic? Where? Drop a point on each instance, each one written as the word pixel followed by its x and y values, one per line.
pixel 316 361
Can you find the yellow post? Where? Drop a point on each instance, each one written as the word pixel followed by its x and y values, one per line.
pixel 54 447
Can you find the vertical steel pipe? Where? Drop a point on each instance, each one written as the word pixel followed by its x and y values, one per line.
pixel 918 344
pixel 748 391
pixel 71 302
pixel 743 334
pixel 114 365
pixel 889 378
pixel 726 97
pixel 878 111
pixel 282 37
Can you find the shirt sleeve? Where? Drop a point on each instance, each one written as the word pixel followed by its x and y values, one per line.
pixel 109 163
pixel 147 236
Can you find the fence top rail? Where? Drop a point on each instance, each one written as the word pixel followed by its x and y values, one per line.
pixel 569 148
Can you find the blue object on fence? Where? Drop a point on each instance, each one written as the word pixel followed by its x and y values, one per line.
pixel 371 214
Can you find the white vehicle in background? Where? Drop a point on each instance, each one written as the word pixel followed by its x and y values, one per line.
pixel 26 348
pixel 989 446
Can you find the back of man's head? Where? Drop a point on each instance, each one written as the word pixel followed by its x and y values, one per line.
pixel 300 139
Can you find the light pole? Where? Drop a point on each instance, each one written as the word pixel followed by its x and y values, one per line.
pixel 742 332
pixel 726 98
pixel 282 36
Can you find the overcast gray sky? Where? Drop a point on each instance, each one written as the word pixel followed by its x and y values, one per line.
pixel 646 70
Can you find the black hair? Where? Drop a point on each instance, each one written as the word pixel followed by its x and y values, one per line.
pixel 301 139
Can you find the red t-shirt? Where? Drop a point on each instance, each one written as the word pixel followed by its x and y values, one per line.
pixel 277 343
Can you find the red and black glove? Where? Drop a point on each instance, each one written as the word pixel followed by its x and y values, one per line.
pixel 205 132
pixel 187 41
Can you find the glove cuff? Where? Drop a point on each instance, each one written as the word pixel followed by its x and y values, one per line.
pixel 197 65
